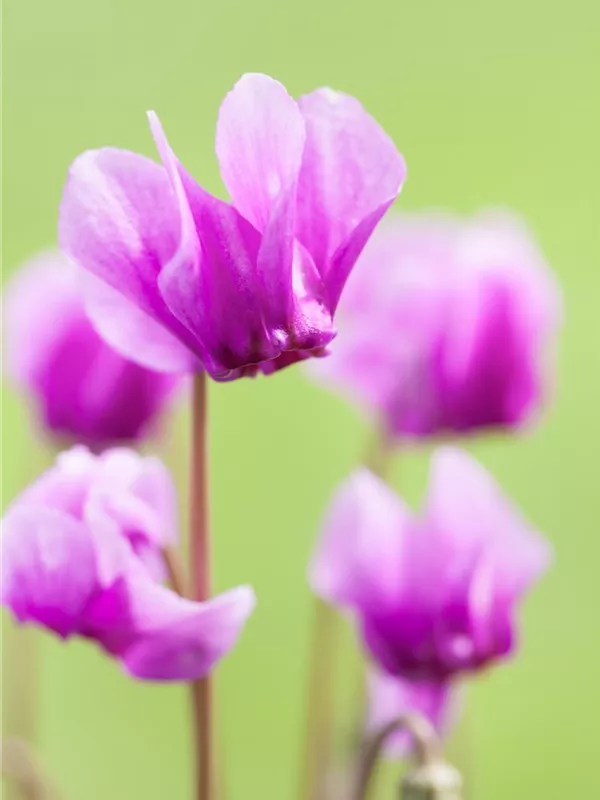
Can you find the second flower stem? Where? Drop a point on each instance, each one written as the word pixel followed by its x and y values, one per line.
pixel 320 723
pixel 378 460
pixel 200 562
pixel 320 702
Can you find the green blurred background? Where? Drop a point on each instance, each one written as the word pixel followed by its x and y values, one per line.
pixel 491 103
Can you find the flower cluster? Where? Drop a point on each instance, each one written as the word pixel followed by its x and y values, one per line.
pixel 84 390
pixel 83 554
pixel 434 596
pixel 446 328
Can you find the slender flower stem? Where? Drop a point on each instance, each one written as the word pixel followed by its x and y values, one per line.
pixel 200 561
pixel 379 452
pixel 425 744
pixel 20 765
pixel 175 572
pixel 320 728
pixel 320 713
pixel 20 681
pixel 378 459
pixel 21 656
pixel 460 745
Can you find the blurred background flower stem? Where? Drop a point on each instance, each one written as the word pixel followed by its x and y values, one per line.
pixel 21 660
pixel 379 452
pixel 22 769
pixel 320 706
pixel 319 756
pixel 424 741
pixel 20 682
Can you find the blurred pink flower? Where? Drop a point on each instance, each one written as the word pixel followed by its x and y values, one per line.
pixel 82 556
pixel 82 389
pixel 435 596
pixel 446 326
pixel 181 279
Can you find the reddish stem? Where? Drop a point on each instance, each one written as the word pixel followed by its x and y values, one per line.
pixel 175 573
pixel 200 561
pixel 425 743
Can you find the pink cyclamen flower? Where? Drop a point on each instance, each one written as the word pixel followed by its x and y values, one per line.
pixel 184 280
pixel 82 556
pixel 435 596
pixel 446 326
pixel 83 390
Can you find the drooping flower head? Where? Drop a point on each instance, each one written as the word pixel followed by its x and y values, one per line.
pixel 446 326
pixel 82 555
pixel 184 280
pixel 435 596
pixel 83 390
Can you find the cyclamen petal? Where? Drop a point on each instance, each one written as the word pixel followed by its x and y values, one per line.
pixel 464 501
pixel 75 553
pixel 48 568
pixel 351 173
pixel 264 156
pixel 65 485
pixel 191 638
pixel 132 332
pixel 138 495
pixel 216 259
pixel 119 217
pixel 362 543
pixel 260 164
pixel 434 596
pixel 246 287
pixel 81 388
pixel 27 311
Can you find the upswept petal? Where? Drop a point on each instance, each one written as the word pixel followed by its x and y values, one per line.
pixel 351 172
pixel 210 284
pixel 48 567
pixel 470 517
pixel 259 144
pixel 135 334
pixel 362 553
pixel 177 639
pixel 260 140
pixel 347 254
pixel 38 305
pixel 139 493
pixel 498 242
pixel 486 369
pixel 65 485
pixel 117 561
pixel 118 220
